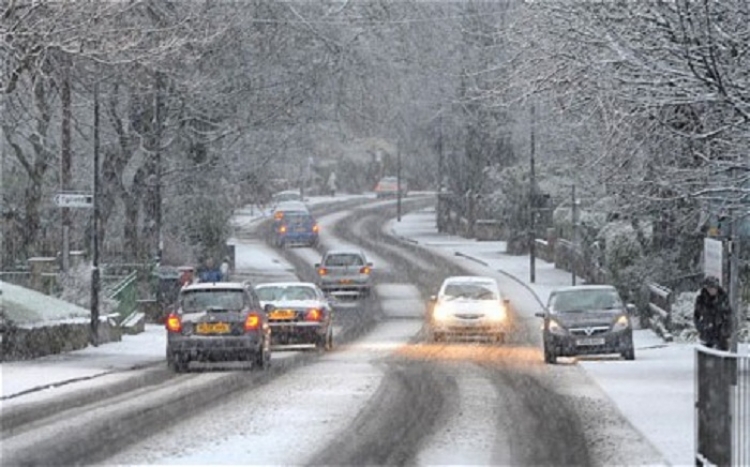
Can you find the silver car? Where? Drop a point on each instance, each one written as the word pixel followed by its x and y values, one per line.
pixel 587 320
pixel 298 313
pixel 345 273
pixel 219 321
pixel 468 306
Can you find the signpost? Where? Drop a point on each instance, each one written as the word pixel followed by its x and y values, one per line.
pixel 74 200
pixel 713 259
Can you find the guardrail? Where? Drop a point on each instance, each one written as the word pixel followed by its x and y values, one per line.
pixel 660 300
pixel 125 293
pixel 722 408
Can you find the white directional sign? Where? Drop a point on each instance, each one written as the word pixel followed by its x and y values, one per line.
pixel 713 258
pixel 74 200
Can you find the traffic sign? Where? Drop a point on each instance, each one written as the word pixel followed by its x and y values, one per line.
pixel 74 200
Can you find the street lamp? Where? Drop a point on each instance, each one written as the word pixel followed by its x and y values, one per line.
pixel 398 184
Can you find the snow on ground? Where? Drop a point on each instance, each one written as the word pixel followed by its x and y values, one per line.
pixel 133 351
pixel 655 392
pixel 329 241
pixel 400 301
pixel 28 307
pixel 255 428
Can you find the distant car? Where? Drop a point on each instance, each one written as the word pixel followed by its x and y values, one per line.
pixel 221 321
pixel 294 225
pixel 468 306
pixel 285 196
pixel 345 273
pixel 587 320
pixel 387 187
pixel 298 313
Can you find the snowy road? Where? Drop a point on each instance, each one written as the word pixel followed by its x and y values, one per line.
pixel 390 398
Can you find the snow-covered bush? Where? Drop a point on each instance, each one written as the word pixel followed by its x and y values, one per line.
pixel 682 316
pixel 76 288
pixel 621 245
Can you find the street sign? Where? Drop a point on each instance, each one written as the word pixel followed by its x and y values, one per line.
pixel 74 200
pixel 713 258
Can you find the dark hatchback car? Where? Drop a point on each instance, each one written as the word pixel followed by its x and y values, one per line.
pixel 217 322
pixel 587 320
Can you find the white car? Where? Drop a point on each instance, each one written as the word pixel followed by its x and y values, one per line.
pixel 468 306
pixel 298 313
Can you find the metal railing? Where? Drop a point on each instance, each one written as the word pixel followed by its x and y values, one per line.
pixel 660 300
pixel 125 293
pixel 722 408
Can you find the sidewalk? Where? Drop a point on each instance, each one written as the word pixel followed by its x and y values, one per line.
pixel 654 392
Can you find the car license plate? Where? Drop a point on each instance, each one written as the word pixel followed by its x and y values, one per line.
pixel 345 281
pixel 282 315
pixel 301 229
pixel 590 341
pixel 213 328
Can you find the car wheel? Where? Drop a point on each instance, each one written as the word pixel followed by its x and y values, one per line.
pixel 177 363
pixel 629 353
pixel 549 356
pixel 437 337
pixel 329 339
pixel 499 338
pixel 262 358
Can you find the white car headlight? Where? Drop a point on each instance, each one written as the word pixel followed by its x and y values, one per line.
pixel 622 323
pixel 496 312
pixel 441 312
pixel 556 328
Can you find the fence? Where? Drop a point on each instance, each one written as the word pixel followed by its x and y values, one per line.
pixel 660 301
pixel 722 408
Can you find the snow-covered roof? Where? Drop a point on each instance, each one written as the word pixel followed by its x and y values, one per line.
pixel 215 286
pixel 585 287
pixel 465 279
pixel 285 284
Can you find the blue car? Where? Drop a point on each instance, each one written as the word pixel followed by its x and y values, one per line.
pixel 294 228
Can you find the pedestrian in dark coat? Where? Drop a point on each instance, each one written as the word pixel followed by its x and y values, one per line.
pixel 209 272
pixel 713 315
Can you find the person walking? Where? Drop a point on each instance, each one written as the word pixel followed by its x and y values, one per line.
pixel 209 273
pixel 713 315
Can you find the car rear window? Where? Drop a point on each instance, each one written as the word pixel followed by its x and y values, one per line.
pixel 344 259
pixel 584 300
pixel 292 292
pixel 193 301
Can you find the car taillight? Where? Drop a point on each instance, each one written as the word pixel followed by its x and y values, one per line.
pixel 322 271
pixel 174 323
pixel 282 229
pixel 364 270
pixel 316 228
pixel 313 314
pixel 278 216
pixel 252 322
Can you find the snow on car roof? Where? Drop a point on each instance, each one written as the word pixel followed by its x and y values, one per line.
pixel 585 287
pixel 285 284
pixel 344 251
pixel 215 285
pixel 464 279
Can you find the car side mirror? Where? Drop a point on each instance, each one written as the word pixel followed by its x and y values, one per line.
pixel 506 302
pixel 540 315
pixel 316 265
pixel 268 308
pixel 433 298
pixel 369 265
pixel 631 309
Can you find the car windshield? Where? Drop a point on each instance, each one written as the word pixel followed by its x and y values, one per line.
pixel 273 293
pixel 585 300
pixel 469 290
pixel 344 259
pixel 281 197
pixel 200 300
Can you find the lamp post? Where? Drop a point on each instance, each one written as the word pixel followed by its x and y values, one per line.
pixel 398 184
pixel 532 198
pixel 95 275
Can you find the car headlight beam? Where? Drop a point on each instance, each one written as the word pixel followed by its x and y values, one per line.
pixel 556 328
pixel 622 323
pixel 441 312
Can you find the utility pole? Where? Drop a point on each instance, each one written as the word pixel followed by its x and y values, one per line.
pixel 157 161
pixel 398 183
pixel 95 275
pixel 532 198
pixel 439 215
pixel 65 157
pixel 734 283
pixel 574 219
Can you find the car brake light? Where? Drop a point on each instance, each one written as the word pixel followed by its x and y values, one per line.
pixel 364 270
pixel 315 228
pixel 282 229
pixel 313 314
pixel 174 323
pixel 322 271
pixel 278 216
pixel 252 322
